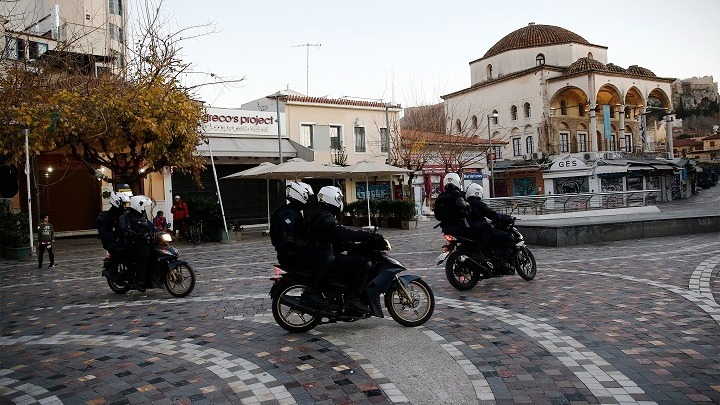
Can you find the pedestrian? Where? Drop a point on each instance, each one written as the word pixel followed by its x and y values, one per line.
pixel 46 237
pixel 181 215
pixel 160 221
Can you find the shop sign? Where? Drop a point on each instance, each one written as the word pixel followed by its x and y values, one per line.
pixel 568 163
pixel 240 122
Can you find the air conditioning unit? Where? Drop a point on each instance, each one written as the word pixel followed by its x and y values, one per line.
pixel 609 155
pixel 589 156
pixel 526 157
pixel 537 155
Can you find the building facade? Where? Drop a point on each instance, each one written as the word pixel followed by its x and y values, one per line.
pixel 551 94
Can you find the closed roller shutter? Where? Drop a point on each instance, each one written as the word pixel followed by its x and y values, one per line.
pixel 243 200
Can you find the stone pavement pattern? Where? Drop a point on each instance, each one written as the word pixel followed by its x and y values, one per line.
pixel 624 322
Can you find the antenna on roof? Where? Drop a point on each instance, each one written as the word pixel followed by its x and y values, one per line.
pixel 307 68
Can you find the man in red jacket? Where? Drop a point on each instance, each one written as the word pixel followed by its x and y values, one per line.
pixel 180 217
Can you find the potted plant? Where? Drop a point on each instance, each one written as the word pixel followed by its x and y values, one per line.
pixel 358 212
pixel 405 211
pixel 14 235
pixel 385 212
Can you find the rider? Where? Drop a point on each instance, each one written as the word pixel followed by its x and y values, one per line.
pixel 137 230
pixel 108 226
pixel 479 211
pixel 288 234
pixel 328 235
pixel 451 209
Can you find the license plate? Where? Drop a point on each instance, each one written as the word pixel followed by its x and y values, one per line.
pixel 442 257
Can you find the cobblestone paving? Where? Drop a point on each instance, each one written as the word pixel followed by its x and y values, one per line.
pixel 624 322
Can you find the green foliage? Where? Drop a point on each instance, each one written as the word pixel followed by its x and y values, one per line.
pixel 358 208
pixel 401 209
pixel 207 209
pixel 14 229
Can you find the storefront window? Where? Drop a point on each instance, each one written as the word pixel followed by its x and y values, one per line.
pixel 570 185
pixel 634 183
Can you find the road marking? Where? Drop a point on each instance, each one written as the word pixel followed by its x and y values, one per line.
pixel 245 378
pixel 700 277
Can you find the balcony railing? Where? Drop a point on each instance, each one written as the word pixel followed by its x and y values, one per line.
pixel 554 203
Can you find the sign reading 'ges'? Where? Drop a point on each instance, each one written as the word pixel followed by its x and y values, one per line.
pixel 240 122
pixel 568 163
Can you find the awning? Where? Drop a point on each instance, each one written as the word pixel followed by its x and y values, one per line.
pixel 247 147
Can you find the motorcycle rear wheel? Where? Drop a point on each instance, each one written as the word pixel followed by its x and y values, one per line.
pixel 292 320
pixel 414 310
pixel 525 264
pixel 115 287
pixel 180 281
pixel 460 276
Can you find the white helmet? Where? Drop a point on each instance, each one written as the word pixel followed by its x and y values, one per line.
pixel 139 202
pixel 331 195
pixel 298 191
pixel 474 190
pixel 452 179
pixel 118 199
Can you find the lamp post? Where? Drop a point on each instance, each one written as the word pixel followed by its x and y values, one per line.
pixel 389 152
pixel 491 152
pixel 277 96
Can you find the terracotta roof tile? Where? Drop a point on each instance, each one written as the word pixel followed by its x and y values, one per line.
pixel 585 64
pixel 334 101
pixel 640 71
pixel 532 36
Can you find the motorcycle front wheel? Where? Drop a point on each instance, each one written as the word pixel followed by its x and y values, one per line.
pixel 525 264
pixel 290 319
pixel 180 281
pixel 460 275
pixel 118 288
pixel 413 308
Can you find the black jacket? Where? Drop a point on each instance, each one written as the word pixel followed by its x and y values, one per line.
pixel 451 209
pixel 108 225
pixel 325 232
pixel 135 227
pixel 288 232
pixel 479 211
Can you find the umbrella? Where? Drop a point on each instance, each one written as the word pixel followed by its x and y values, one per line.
pixel 248 173
pixel 367 168
pixel 295 169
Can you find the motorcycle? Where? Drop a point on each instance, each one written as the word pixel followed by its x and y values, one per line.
pixel 408 298
pixel 168 270
pixel 468 261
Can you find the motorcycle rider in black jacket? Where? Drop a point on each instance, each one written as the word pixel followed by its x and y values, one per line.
pixel 108 226
pixel 327 234
pixel 137 231
pixel 486 233
pixel 451 209
pixel 288 234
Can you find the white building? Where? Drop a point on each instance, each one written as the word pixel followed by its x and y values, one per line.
pixel 552 94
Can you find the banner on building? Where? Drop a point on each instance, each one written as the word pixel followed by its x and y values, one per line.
pixel 606 121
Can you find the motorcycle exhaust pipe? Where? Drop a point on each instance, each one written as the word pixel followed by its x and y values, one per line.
pixel 485 269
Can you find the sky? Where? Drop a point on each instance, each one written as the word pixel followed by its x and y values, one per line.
pixel 412 52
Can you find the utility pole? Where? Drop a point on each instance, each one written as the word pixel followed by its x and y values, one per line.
pixel 307 67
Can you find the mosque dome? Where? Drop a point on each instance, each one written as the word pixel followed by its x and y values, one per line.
pixel 585 64
pixel 640 71
pixel 534 35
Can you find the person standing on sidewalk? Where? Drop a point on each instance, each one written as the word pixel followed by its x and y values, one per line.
pixel 181 215
pixel 46 237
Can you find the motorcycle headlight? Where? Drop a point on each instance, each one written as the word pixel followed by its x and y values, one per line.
pixel 165 237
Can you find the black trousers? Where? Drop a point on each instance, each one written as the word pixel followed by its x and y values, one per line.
pixel 139 253
pixel 357 268
pixel 42 246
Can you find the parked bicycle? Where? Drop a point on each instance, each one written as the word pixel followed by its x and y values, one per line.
pixel 196 231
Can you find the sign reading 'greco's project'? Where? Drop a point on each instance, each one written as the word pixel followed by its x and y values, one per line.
pixel 239 122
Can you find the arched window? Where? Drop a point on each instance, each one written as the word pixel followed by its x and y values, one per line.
pixel 539 60
pixel 489 72
pixel 513 113
pixel 494 117
pixel 563 107
pixel 529 145
pixel 581 110
pixel 590 55
pixel 474 122
pixel 458 125
pixel 527 110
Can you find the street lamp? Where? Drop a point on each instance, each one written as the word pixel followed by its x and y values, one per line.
pixel 277 96
pixel 490 154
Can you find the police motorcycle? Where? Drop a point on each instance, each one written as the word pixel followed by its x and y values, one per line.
pixel 408 298
pixel 468 261
pixel 164 268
